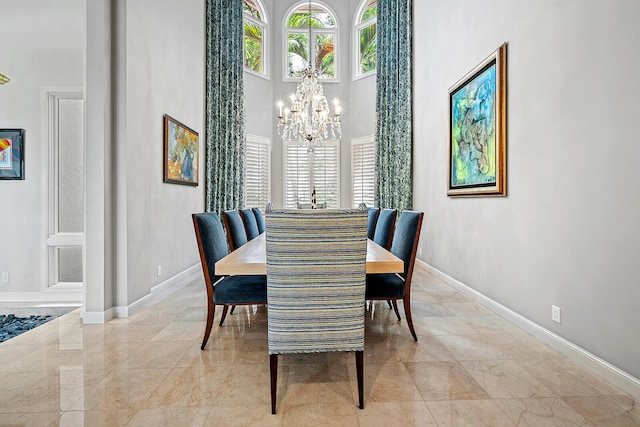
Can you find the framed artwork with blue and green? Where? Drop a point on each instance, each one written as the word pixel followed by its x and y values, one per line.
pixel 180 153
pixel 477 130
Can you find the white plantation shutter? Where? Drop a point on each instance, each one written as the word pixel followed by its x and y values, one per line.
pixel 297 175
pixel 326 174
pixel 363 164
pixel 257 179
pixel 303 172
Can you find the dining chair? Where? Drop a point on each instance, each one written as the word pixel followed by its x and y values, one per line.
pixel 250 223
pixel 384 227
pixel 316 263
pixel 398 286
pixel 372 221
pixel 259 219
pixel 222 290
pixel 236 234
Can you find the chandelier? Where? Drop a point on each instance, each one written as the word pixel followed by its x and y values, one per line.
pixel 308 119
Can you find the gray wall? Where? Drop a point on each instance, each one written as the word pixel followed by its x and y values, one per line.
pixel 164 74
pixel 42 46
pixel 158 60
pixel 567 233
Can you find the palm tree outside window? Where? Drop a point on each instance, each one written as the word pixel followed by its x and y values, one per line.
pixel 255 36
pixel 365 38
pixel 323 41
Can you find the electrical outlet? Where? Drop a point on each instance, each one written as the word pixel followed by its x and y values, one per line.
pixel 555 313
pixel 5 277
pixel 420 250
pixel 159 270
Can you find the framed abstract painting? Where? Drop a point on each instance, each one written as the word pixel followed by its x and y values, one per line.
pixel 180 153
pixel 477 130
pixel 11 153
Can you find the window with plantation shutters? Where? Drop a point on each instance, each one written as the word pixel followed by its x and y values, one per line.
pixel 363 164
pixel 305 172
pixel 257 179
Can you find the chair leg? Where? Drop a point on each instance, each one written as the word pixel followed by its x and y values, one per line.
pixel 233 307
pixel 273 359
pixel 389 302
pixel 224 313
pixel 360 374
pixel 395 307
pixel 407 312
pixel 211 311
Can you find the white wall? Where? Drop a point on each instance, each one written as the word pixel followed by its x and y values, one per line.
pixel 164 74
pixel 258 90
pixel 42 47
pixel 159 63
pixel 567 234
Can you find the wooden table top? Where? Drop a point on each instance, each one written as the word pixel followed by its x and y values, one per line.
pixel 251 258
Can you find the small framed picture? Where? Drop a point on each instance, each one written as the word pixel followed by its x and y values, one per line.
pixel 180 153
pixel 11 153
pixel 477 130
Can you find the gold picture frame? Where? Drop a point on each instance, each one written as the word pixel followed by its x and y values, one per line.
pixel 181 148
pixel 477 130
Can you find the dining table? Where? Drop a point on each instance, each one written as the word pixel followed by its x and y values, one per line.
pixel 251 259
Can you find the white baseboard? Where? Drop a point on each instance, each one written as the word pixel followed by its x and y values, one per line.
pixel 38 298
pixel 157 293
pixel 604 369
pixel 162 290
pixel 94 317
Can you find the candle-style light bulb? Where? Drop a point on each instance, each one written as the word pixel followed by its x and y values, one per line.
pixel 280 104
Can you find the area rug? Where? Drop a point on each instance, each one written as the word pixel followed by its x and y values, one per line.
pixel 11 326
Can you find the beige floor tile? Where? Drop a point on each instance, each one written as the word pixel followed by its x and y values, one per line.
pixel 468 367
pixel 476 413
pixel 613 411
pixel 389 382
pixel 122 389
pixel 170 417
pixel 240 416
pixel 557 378
pixel 488 347
pixel 323 414
pixel 505 379
pixel 541 412
pixel 445 381
pixel 400 414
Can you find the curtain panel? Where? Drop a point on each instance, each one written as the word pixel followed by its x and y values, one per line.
pixel 225 126
pixel 394 133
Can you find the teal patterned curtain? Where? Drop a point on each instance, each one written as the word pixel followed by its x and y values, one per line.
pixel 394 105
pixel 225 136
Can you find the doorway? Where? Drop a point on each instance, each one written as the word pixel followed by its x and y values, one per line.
pixel 65 219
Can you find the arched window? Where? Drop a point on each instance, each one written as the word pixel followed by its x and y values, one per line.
pixel 322 25
pixel 255 37
pixel 365 38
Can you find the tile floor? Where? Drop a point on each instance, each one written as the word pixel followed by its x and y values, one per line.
pixel 469 367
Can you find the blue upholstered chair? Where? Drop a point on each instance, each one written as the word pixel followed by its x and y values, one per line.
pixel 384 227
pixel 372 221
pixel 398 286
pixel 250 223
pixel 316 263
pixel 236 234
pixel 259 220
pixel 229 290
